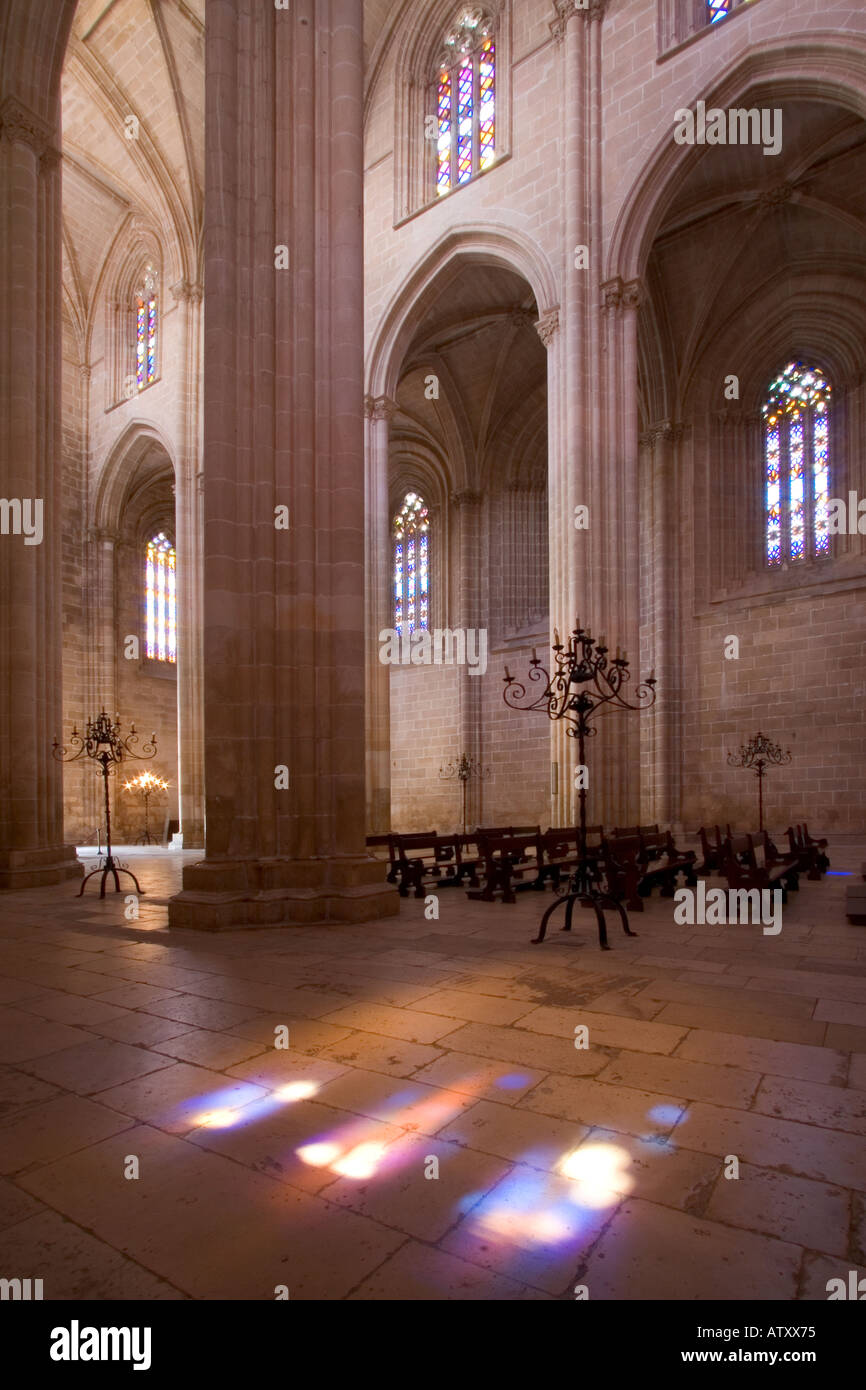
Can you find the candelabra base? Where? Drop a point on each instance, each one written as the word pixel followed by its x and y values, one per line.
pixel 110 867
pixel 582 891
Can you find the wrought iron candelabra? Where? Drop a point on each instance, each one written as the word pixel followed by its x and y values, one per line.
pixel 759 754
pixel 101 741
pixel 464 769
pixel 585 683
pixel 146 784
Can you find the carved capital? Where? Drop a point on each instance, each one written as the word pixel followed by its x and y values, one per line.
pixel 566 9
pixel 665 430
pixel 380 407
pixel 611 292
pixel 620 294
pixel 547 326
pixel 84 371
pixel 466 498
pixel 19 125
pixel 632 294
pixel 186 292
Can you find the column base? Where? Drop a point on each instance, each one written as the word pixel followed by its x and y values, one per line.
pixel 38 868
pixel 230 895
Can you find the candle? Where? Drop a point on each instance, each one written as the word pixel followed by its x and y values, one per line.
pixel 602 641
pixel 556 641
pixel 534 654
pixel 652 674
pixel 508 675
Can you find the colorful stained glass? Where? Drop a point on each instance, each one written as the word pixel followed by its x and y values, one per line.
pixel 398 585
pixel 774 511
pixel 145 341
pixel 821 478
pixel 486 104
pixel 443 147
pixel 160 601
pixel 717 9
pixel 796 490
pixel 466 102
pixel 797 464
pixel 411 565
pixel 423 581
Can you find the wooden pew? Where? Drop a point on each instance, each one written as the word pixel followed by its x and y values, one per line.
pixel 811 859
pixel 385 842
pixel 742 869
pixel 508 860
pixel 712 853
pixel 559 854
pixel 818 845
pixel 640 861
pixel 425 860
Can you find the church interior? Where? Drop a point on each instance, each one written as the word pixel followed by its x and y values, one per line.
pixel 432 621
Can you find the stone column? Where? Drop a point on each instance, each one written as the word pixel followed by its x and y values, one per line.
pixel 569 471
pixel 617 564
pixel 105 646
pixel 467 505
pixel 189 547
pixel 378 413
pixel 283 428
pixel 660 728
pixel 32 852
pixel 560 527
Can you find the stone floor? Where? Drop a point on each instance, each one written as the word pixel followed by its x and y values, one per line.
pixel 432 1131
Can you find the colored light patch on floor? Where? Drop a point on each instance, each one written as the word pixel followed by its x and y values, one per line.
pixel 529 1209
pixel 216 1114
pixel 512 1081
pixel 220 1108
pixel 600 1173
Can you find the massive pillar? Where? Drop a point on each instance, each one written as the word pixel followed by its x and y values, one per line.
pixel 189 545
pixel 569 470
pixel 379 413
pixel 467 509
pixel 32 852
pixel 284 473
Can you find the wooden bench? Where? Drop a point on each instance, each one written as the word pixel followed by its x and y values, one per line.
pixel 813 861
pixel 712 853
pixel 559 854
pixel 638 862
pixel 485 830
pixel 427 860
pixel 385 842
pixel 742 869
pixel 508 860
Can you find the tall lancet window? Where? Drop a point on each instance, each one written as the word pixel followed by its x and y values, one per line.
pixel 160 601
pixel 146 312
pixel 465 99
pixel 797 465
pixel 411 565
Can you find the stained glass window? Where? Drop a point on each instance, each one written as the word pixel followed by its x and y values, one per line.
pixel 145 333
pixel 160 601
pixel 717 9
pixel 411 565
pixel 797 465
pixel 466 102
